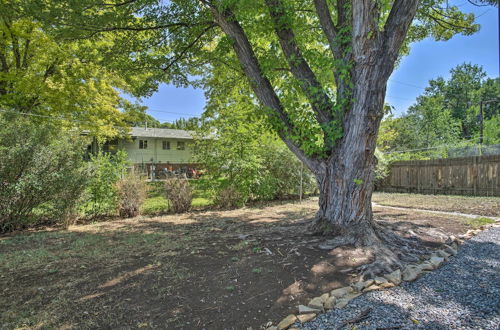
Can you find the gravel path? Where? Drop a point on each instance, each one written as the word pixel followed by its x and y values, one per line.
pixel 464 293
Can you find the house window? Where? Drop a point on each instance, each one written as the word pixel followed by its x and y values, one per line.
pixel 143 144
pixel 166 145
pixel 181 145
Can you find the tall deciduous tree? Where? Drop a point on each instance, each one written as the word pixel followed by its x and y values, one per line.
pixel 48 77
pixel 317 68
pixel 447 113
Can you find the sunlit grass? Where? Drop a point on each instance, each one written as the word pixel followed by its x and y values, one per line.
pixel 478 222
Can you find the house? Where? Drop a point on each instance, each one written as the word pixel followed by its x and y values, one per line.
pixel 156 148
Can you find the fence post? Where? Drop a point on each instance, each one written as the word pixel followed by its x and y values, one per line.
pixel 475 176
pixel 301 180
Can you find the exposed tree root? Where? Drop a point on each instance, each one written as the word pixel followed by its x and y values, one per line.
pixel 390 248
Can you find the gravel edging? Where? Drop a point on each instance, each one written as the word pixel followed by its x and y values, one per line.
pixel 463 293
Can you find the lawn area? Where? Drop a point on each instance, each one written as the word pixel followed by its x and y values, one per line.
pixel 204 269
pixel 156 203
pixel 487 206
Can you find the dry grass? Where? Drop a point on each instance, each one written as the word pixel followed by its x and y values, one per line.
pixel 486 206
pixel 180 271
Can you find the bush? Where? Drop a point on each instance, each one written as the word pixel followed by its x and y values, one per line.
pixel 101 197
pixel 382 167
pixel 42 173
pixel 258 167
pixel 229 198
pixel 131 194
pixel 179 194
pixel 280 174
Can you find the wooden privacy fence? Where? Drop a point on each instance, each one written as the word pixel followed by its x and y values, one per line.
pixel 477 175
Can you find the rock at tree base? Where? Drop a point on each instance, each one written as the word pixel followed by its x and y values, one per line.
pixel 341 303
pixel 316 303
pixel 324 297
pixel 306 317
pixel 411 273
pixel 307 310
pixel 359 286
pixel 426 266
pixel 394 277
pixel 380 280
pixel 387 285
pixel 436 261
pixel 330 302
pixel 450 250
pixel 372 288
pixel 337 293
pixel 442 254
pixel 287 322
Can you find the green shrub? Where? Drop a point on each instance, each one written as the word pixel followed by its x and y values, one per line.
pixel 101 196
pixel 179 193
pixel 241 168
pixel 280 174
pixel 229 198
pixel 131 194
pixel 42 173
pixel 382 167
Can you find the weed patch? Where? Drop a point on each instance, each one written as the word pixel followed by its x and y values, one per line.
pixel 478 222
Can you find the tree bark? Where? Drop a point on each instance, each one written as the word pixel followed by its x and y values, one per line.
pixel 346 179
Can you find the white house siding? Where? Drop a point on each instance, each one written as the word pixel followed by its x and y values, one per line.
pixel 155 153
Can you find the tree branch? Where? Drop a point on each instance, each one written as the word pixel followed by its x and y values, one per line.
pixel 365 31
pixel 24 62
pixel 14 44
pixel 118 4
pixel 449 25
pixel 3 60
pixel 329 29
pixel 318 98
pixel 396 28
pixel 259 83
pixel 339 43
pixel 188 47
pixel 139 28
pixel 342 14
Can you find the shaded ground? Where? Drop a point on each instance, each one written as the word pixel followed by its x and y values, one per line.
pixel 227 269
pixel 487 206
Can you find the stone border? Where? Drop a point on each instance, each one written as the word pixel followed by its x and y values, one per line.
pixel 339 298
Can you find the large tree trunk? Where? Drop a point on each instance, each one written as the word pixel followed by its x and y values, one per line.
pixel 346 184
pixel 346 179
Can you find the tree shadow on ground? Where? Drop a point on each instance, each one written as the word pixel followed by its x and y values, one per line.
pixel 218 269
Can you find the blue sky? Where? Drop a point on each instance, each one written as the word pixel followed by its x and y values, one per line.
pixel 428 59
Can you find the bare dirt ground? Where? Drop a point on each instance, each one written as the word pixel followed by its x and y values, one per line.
pixel 212 270
pixel 486 206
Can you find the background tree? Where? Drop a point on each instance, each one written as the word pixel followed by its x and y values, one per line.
pixel 244 159
pixel 318 70
pixel 135 115
pixel 190 124
pixel 446 114
pixel 48 76
pixel 462 95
